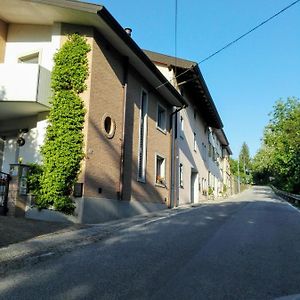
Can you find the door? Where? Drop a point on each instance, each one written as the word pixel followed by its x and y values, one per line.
pixel 194 186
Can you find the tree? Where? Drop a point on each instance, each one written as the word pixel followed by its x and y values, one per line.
pixel 245 163
pixel 279 156
pixel 233 166
pixel 62 151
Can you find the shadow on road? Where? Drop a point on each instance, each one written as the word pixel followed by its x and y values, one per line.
pixel 193 248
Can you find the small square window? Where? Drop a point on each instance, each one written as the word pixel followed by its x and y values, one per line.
pixel 161 118
pixel 160 177
pixel 32 58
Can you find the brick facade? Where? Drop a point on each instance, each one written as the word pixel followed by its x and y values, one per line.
pixel 3 35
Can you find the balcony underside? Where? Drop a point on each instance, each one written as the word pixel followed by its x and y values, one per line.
pixel 20 109
pixel 15 116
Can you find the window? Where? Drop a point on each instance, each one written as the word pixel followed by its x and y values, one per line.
pixel 108 126
pixel 1 153
pixel 32 58
pixel 160 177
pixel 161 122
pixel 181 175
pixel 203 151
pixel 181 126
pixel 142 151
pixel 209 150
pixel 195 142
pixel 204 191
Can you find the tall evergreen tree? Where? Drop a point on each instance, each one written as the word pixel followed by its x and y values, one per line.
pixel 245 163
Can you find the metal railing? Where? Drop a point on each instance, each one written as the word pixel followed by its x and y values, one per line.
pixel 292 198
pixel 4 187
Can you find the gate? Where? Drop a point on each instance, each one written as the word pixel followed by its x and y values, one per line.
pixel 4 186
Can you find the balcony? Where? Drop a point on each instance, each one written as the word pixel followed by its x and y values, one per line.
pixel 24 90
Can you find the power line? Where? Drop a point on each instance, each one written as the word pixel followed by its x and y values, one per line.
pixel 234 41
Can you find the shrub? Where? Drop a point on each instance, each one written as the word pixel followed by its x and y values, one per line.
pixel 33 179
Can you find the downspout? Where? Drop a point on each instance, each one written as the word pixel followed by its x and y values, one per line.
pixel 174 155
pixel 125 84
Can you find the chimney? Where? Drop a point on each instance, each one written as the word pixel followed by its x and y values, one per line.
pixel 128 30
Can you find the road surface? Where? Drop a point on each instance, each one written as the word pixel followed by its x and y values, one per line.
pixel 243 248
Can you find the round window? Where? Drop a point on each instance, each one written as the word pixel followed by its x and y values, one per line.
pixel 108 126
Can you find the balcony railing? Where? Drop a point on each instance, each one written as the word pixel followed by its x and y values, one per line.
pixel 25 83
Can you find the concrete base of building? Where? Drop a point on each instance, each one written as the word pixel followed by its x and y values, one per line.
pixel 49 215
pixel 96 210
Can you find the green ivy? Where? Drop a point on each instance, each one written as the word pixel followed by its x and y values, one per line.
pixel 33 179
pixel 62 151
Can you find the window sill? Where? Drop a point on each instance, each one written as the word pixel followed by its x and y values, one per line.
pixel 164 131
pixel 141 180
pixel 160 185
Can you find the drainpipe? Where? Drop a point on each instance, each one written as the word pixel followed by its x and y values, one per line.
pixel 125 84
pixel 174 154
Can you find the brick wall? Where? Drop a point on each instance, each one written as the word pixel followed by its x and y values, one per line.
pixel 3 34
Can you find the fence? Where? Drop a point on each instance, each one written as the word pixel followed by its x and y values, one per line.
pixel 292 198
pixel 4 187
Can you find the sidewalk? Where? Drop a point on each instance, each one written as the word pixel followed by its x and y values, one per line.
pixel 27 242
pixel 15 230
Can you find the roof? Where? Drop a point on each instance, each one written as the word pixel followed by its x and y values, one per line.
pixel 47 12
pixel 223 139
pixel 194 82
pixel 169 60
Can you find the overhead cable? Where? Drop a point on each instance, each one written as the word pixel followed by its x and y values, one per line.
pixel 232 42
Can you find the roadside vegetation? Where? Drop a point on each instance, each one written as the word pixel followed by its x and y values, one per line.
pixel 242 166
pixel 62 153
pixel 278 159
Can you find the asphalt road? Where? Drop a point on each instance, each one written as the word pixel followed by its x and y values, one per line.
pixel 246 248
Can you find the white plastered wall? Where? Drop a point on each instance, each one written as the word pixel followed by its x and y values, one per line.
pixel 30 152
pixel 215 167
pixel 22 40
pixel 193 160
pixel 192 157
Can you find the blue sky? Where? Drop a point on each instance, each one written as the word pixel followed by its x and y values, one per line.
pixel 246 79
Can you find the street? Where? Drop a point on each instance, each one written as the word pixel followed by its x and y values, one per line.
pixel 246 247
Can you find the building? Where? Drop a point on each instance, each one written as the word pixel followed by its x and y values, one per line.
pixel 128 137
pixel 201 148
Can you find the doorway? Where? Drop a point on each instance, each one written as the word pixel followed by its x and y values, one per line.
pixel 194 186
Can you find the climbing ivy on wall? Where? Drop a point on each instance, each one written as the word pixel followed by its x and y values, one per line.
pixel 62 151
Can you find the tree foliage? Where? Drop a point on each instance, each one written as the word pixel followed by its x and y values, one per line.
pixel 245 164
pixel 241 167
pixel 279 157
pixel 62 151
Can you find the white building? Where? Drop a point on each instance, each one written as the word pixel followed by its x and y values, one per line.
pixel 26 60
pixel 201 147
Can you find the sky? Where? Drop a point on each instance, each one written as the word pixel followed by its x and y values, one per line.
pixel 244 80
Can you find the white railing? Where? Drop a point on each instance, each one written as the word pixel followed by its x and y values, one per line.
pixel 24 82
